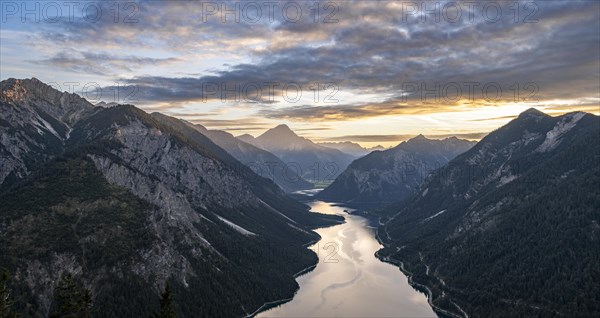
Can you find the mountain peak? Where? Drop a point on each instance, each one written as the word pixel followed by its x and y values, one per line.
pixel 532 112
pixel 12 86
pixel 282 128
pixel 419 137
pixel 14 90
pixel 64 106
pixel 281 131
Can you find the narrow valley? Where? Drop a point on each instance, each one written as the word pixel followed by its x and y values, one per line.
pixel 349 281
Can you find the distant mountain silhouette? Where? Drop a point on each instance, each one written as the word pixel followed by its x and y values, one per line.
pixel 259 160
pixel 382 177
pixel 351 148
pixel 312 161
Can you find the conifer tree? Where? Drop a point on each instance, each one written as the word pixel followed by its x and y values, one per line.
pixel 167 306
pixel 73 301
pixel 6 301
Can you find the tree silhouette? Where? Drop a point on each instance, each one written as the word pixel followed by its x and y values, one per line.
pixel 73 301
pixel 6 301
pixel 167 306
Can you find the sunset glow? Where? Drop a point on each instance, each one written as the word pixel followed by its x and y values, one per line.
pixel 384 72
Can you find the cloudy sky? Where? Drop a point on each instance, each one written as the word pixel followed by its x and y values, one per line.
pixel 373 72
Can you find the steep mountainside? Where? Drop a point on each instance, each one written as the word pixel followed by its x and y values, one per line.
pixel 127 202
pixel 35 131
pixel 388 176
pixel 313 162
pixel 260 161
pixel 510 227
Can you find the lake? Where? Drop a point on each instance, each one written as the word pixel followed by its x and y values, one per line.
pixel 349 281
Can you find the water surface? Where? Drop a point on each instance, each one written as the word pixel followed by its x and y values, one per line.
pixel 349 281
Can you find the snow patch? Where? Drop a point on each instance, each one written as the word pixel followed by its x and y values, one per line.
pixel 276 211
pixel 566 174
pixel 562 127
pixel 506 179
pixel 44 124
pixel 425 192
pixel 297 228
pixel 433 216
pixel 236 227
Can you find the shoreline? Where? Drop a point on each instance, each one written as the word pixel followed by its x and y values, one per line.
pixel 272 304
pixel 417 286
pixel 268 305
pixel 373 220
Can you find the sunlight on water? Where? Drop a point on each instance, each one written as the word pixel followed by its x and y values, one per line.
pixel 349 281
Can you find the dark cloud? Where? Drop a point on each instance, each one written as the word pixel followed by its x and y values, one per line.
pixel 348 112
pixel 99 62
pixel 374 48
pixel 558 57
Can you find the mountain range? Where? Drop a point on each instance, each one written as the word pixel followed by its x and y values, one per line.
pixel 383 177
pixel 127 202
pixel 351 148
pixel 313 162
pixel 262 162
pixel 511 226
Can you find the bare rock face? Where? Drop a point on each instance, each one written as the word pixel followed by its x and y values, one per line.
pixel 32 92
pixel 383 177
pixel 203 179
pixel 119 198
pixel 35 120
